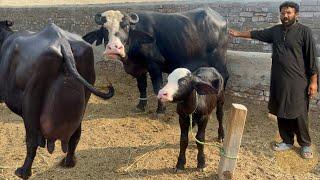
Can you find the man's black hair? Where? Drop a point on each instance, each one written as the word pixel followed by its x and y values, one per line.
pixel 291 4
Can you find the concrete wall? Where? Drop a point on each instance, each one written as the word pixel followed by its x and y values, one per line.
pixel 250 75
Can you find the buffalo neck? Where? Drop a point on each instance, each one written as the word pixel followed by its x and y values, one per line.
pixel 189 104
pixel 4 34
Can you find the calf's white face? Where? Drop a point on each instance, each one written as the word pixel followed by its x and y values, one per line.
pixel 172 87
pixel 181 84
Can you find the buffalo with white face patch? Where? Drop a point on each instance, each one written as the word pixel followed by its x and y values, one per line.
pixel 114 46
pixel 196 94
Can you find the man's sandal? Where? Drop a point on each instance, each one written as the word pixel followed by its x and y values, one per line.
pixel 306 152
pixel 282 146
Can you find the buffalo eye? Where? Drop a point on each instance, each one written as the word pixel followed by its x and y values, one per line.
pixel 183 82
pixel 126 28
pixel 124 25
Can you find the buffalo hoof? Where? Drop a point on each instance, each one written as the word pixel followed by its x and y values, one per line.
pixel 141 106
pixel 178 170
pixel 201 167
pixel 219 140
pixel 161 110
pixel 23 173
pixel 68 162
pixel 139 109
pixel 159 115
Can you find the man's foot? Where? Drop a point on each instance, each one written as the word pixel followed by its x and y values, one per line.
pixel 306 152
pixel 281 146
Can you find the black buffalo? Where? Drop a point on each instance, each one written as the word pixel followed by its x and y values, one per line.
pixel 158 42
pixel 46 78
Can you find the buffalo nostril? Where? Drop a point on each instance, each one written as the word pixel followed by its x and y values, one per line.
pixel 120 47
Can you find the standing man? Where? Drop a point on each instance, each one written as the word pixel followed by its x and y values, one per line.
pixel 293 76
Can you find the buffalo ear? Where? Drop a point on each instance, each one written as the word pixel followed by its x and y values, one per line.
pixel 99 19
pixel 142 37
pixel 216 84
pixel 203 87
pixel 98 35
pixel 9 23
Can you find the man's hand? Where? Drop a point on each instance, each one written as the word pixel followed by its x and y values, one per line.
pixel 312 90
pixel 234 33
pixel 313 86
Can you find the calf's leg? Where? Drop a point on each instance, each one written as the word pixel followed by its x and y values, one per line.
pixel 184 127
pixel 219 113
pixel 202 124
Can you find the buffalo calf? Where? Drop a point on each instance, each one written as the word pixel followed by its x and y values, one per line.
pixel 196 94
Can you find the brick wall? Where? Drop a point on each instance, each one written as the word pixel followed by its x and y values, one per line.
pixel 241 16
pixel 310 16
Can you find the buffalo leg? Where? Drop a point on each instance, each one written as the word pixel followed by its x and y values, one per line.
pixel 184 127
pixel 157 81
pixel 161 107
pixel 24 172
pixel 70 161
pixel 219 113
pixel 202 124
pixel 142 86
pixel 31 111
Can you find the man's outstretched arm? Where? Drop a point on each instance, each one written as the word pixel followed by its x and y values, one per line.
pixel 244 34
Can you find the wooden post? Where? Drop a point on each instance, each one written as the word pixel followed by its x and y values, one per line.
pixel 232 141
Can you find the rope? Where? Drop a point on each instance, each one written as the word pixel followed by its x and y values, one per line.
pixel 221 149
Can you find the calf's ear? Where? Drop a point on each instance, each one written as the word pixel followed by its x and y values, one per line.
pixel 203 87
pixel 142 37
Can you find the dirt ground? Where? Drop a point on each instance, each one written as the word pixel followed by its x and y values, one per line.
pixel 118 143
